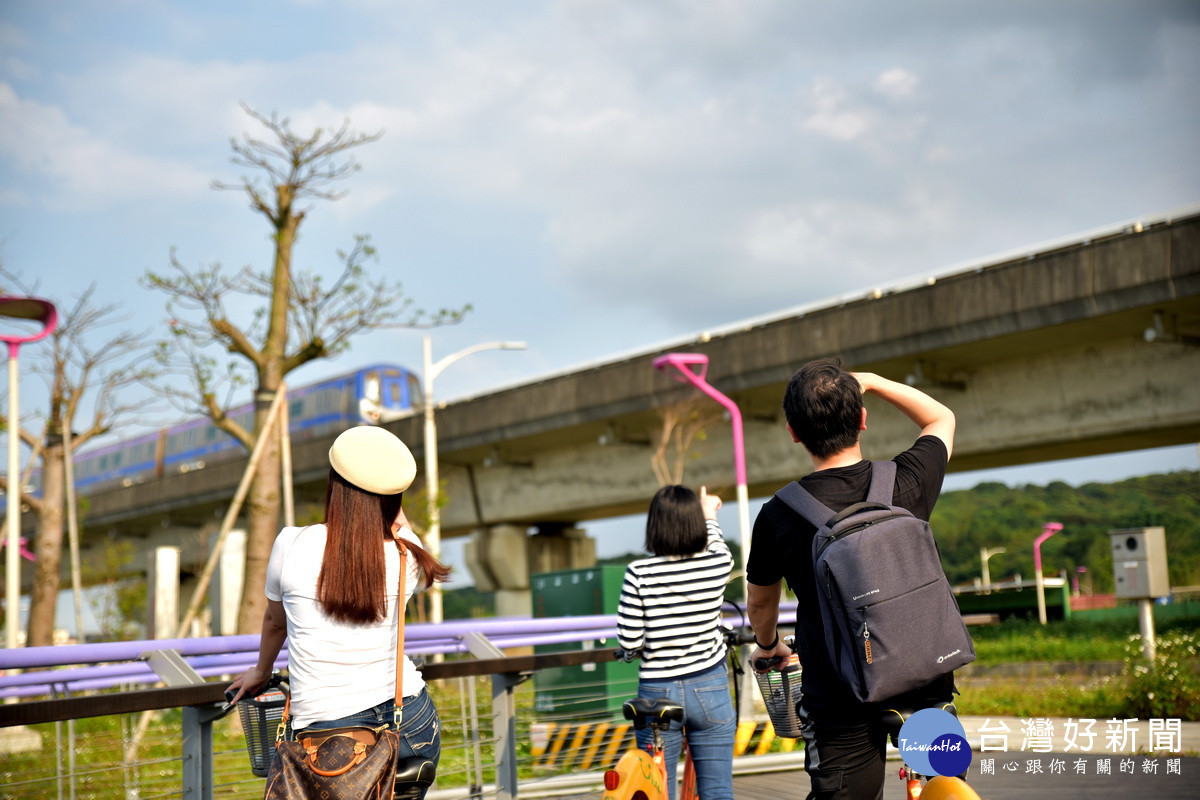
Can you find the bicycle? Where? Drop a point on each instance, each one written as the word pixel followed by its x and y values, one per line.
pixel 642 774
pixel 939 787
pixel 265 724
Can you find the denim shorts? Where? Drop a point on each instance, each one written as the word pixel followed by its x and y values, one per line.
pixel 420 728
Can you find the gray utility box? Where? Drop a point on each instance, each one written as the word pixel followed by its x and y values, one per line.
pixel 1140 562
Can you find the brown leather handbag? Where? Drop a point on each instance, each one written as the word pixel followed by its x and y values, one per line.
pixel 350 763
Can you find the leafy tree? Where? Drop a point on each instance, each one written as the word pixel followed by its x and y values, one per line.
pixel 300 317
pixel 995 515
pixel 85 375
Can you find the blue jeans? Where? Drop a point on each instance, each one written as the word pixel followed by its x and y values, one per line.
pixel 420 727
pixel 708 718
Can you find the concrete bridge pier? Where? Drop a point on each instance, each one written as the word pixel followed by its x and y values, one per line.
pixel 172 563
pixel 502 557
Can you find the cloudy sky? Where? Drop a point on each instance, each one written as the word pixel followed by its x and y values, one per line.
pixel 594 176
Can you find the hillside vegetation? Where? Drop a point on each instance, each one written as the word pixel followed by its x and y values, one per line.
pixel 994 515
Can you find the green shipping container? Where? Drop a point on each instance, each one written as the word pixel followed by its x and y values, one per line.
pixel 587 691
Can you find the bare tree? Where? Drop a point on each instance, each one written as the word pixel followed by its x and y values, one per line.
pixel 85 376
pixel 682 425
pixel 301 318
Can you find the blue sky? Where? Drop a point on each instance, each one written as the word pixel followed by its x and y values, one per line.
pixel 596 177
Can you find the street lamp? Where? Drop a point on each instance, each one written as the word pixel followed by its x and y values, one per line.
pixel 1048 530
pixel 684 363
pixel 984 554
pixel 43 313
pixel 430 370
pixel 1079 572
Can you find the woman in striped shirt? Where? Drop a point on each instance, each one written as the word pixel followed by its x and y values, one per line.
pixel 670 608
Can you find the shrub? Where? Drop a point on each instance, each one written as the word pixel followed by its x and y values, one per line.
pixel 1167 687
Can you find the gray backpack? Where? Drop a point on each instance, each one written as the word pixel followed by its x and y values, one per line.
pixel 891 621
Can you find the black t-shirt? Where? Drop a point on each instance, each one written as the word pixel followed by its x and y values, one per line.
pixel 781 548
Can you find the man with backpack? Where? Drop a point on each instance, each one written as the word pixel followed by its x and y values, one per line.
pixel 845 741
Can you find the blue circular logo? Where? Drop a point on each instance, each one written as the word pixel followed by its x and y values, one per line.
pixel 933 742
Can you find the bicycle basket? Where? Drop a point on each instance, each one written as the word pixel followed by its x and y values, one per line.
pixel 780 691
pixel 260 721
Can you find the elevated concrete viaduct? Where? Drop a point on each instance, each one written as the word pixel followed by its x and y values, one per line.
pixel 1043 356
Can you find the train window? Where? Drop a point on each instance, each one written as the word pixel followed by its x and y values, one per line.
pixel 415 398
pixel 296 408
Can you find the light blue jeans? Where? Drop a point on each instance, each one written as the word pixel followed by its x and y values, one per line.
pixel 420 727
pixel 709 723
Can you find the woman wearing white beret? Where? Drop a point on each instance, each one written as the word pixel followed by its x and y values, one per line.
pixel 331 593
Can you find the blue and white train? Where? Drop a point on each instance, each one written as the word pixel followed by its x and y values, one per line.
pixel 366 395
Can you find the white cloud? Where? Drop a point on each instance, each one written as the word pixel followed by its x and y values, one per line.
pixel 641 143
pixel 835 115
pixel 75 168
pixel 897 83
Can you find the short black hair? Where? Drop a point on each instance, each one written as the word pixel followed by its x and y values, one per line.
pixel 675 525
pixel 823 406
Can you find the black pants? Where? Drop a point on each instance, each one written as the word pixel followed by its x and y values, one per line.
pixel 844 755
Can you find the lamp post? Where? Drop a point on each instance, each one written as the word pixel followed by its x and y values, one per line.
pixel 1048 530
pixel 1079 572
pixel 43 313
pixel 684 362
pixel 430 371
pixel 984 554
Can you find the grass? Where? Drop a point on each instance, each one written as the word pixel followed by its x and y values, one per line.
pixel 1100 698
pixel 1082 638
pixel 1170 687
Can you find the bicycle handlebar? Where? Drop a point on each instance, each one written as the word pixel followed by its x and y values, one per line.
pixel 276 680
pixel 764 664
pixel 739 638
pixel 733 638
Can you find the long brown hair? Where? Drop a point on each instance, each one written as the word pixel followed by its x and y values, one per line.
pixel 350 587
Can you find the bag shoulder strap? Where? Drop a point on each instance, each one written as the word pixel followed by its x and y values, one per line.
pixel 800 500
pixel 883 482
pixel 803 503
pixel 400 609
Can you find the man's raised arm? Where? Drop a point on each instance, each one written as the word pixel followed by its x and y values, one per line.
pixel 933 418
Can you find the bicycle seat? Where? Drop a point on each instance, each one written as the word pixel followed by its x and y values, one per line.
pixel 414 776
pixel 657 713
pixel 892 719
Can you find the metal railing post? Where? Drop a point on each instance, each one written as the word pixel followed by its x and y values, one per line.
pixel 505 712
pixel 198 751
pixel 476 749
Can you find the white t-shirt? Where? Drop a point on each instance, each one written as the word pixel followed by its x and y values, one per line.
pixel 335 669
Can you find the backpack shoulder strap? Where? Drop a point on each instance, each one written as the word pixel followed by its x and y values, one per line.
pixel 883 482
pixel 803 503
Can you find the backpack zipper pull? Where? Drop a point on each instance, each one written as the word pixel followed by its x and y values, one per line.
pixel 866 635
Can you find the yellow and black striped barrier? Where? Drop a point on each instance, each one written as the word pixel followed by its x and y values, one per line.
pixel 599 745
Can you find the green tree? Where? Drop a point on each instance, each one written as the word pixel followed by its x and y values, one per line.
pixel 299 318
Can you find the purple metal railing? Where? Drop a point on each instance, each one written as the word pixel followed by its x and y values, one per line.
pixel 111 664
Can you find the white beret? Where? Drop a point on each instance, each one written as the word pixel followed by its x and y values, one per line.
pixel 373 459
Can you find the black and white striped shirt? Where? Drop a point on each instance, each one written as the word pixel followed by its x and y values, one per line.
pixel 671 608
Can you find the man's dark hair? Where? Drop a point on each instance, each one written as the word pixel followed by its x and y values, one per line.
pixel 823 405
pixel 675 525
